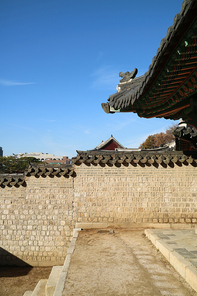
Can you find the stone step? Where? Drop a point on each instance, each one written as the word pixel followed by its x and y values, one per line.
pixel 52 280
pixel 40 288
pixel 28 293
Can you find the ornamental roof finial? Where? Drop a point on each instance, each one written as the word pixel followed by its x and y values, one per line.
pixel 128 75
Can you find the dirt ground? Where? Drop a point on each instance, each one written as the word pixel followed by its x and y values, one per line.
pixel 15 281
pixel 121 263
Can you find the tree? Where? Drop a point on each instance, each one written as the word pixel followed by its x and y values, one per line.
pixel 160 139
pixel 149 143
pixel 11 164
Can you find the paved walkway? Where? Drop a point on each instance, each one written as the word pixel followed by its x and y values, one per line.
pixel 184 242
pixel 180 249
pixel 125 262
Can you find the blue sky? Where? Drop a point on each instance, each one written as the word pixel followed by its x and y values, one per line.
pixel 61 59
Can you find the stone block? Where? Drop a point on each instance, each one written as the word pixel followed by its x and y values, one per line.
pixel 52 280
pixel 181 226
pixel 151 235
pixel 91 225
pixel 76 232
pixel 28 293
pixel 191 276
pixel 164 248
pixel 40 288
pixel 179 263
pixel 72 246
pixel 66 263
pixel 60 284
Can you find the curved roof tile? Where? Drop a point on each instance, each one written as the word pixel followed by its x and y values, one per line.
pixel 37 171
pixel 137 87
pixel 12 180
pixel 138 157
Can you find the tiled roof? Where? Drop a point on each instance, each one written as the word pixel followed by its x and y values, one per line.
pixel 126 96
pixel 171 77
pixel 37 170
pixel 50 170
pixel 12 180
pixel 103 143
pixel 143 158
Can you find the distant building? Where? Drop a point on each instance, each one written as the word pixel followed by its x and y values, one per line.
pixel 110 144
pixel 38 155
pixel 64 160
pixel 1 152
pixel 49 158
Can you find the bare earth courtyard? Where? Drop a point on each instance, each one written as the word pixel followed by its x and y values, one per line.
pixel 105 263
pixel 14 281
pixel 121 263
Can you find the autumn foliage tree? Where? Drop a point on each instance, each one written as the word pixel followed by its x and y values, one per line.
pixel 159 140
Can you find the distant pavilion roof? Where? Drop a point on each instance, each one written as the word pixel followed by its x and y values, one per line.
pixel 105 144
pixel 169 88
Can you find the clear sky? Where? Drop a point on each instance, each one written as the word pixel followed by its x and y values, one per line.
pixel 61 59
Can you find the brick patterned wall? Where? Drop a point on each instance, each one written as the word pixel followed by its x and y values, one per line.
pixel 131 194
pixel 36 221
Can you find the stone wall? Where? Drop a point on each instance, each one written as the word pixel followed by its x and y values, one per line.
pixel 123 196
pixel 36 221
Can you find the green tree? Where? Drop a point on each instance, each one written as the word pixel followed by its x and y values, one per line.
pixel 11 164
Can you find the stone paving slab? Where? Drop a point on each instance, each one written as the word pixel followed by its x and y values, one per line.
pixel 184 242
pixel 179 246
